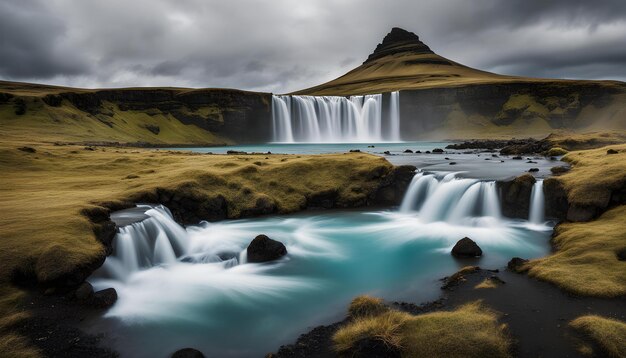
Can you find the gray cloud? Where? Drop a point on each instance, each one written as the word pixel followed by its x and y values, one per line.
pixel 283 45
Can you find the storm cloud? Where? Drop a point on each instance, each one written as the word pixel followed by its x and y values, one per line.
pixel 284 45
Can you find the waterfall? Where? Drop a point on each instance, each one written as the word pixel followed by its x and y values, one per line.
pixel 154 241
pixel 536 215
pixel 394 116
pixel 334 119
pixel 450 198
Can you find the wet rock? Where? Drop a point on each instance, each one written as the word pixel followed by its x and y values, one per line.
pixel 84 291
pixel 355 151
pixel 408 151
pixel 533 170
pixel 387 152
pixel 187 353
pixel 263 249
pixel 235 152
pixel 104 298
pixel 428 152
pixel 438 150
pixel 515 195
pixel 621 254
pixel 559 170
pixel 458 277
pixel 556 203
pixel 611 151
pixel 418 151
pixel 466 247
pixel 517 158
pixel 452 163
pixel 516 264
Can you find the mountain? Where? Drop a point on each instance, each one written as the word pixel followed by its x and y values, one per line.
pixel 440 98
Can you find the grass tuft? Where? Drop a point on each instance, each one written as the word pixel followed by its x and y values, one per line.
pixel 608 334
pixel 365 306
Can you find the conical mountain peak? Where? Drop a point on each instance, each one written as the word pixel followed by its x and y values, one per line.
pixel 399 41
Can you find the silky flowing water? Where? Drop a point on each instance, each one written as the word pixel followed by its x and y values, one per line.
pixel 193 288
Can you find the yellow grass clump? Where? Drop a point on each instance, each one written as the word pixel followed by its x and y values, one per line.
pixel 363 306
pixel 471 330
pixel 608 334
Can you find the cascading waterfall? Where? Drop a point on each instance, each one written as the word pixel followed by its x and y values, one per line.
pixel 536 215
pixel 333 119
pixel 451 198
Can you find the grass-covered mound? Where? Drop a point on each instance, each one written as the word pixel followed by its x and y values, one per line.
pixel 586 260
pixel 608 334
pixel 471 330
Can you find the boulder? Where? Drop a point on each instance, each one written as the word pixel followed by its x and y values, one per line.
pixel 84 291
pixel 187 353
pixel 611 151
pixel 104 298
pixel 516 264
pixel 437 150
pixel 408 151
pixel 515 196
pixel 621 254
pixel 533 170
pixel 466 247
pixel 263 249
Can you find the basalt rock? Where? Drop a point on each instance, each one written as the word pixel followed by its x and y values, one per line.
pixel 263 249
pixel 515 196
pixel 466 247
pixel 393 186
pixel 516 264
pixel 104 298
pixel 555 196
pixel 398 41
pixel 84 291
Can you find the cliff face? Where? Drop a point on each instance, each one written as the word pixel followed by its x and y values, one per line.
pixel 149 115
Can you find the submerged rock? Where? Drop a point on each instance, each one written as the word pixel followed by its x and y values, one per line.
pixel 263 249
pixel 437 150
pixel 408 151
pixel 533 170
pixel 188 353
pixel 466 247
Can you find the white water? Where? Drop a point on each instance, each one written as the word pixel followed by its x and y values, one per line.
pixel 536 215
pixel 334 119
pixel 451 199
pixel 193 287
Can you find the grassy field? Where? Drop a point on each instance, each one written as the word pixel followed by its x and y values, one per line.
pixel 585 261
pixel 471 330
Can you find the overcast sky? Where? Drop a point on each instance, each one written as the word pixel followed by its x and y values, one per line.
pixel 286 45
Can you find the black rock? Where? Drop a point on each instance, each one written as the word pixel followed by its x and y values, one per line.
pixel 532 170
pixel 418 151
pixel 355 151
pixel 611 151
pixel 437 150
pixel 84 291
pixel 621 254
pixel 387 152
pixel 428 152
pixel 452 163
pixel 187 353
pixel 517 158
pixel 466 247
pixel 27 149
pixel 263 249
pixel 104 298
pixel 516 264
pixel 408 151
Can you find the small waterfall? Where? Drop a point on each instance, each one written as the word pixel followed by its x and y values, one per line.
pixel 394 116
pixel 450 198
pixel 334 119
pixel 154 241
pixel 536 215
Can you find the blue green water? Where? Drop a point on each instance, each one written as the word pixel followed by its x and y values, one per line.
pixel 227 309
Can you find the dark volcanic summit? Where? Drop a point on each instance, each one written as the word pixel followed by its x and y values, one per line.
pixel 397 41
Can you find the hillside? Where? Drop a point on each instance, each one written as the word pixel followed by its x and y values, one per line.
pixel 443 99
pixel 138 116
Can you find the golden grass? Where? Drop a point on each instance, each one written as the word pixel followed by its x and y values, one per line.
pixel 556 151
pixel 589 140
pixel 608 334
pixel 363 306
pixel 471 330
pixel 595 175
pixel 486 283
pixel 585 262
